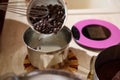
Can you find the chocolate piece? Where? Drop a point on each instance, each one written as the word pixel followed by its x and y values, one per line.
pixel 96 32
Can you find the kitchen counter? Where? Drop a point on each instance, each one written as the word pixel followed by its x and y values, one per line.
pixel 18 24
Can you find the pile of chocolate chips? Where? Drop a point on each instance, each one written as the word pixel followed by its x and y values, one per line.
pixel 50 23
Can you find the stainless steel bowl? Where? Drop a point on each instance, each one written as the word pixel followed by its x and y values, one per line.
pixel 42 75
pixel 40 44
pixel 47 43
pixel 49 75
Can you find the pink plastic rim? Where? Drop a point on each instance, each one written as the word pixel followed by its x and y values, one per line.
pixel 101 44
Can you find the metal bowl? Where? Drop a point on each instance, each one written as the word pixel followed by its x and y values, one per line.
pixel 34 3
pixel 41 75
pixel 47 43
pixel 42 47
pixel 49 75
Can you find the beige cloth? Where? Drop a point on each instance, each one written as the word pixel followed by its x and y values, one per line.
pixel 83 61
pixel 13 51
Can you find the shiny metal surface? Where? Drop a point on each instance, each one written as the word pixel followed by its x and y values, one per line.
pixel 41 46
pixel 47 43
pixel 42 75
pixel 90 75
